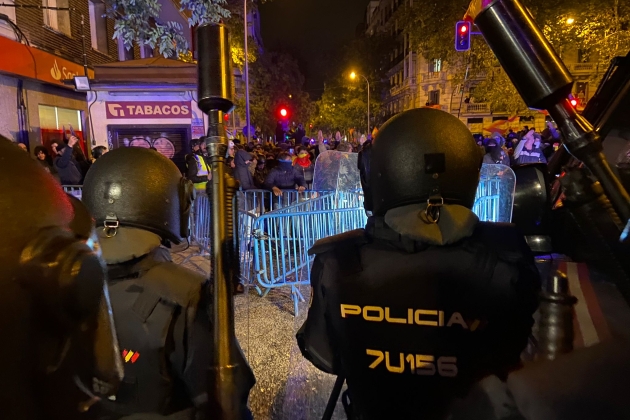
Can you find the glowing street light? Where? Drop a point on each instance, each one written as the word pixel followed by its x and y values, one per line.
pixel 570 21
pixel 353 76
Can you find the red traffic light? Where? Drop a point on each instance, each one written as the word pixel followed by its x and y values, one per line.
pixel 284 112
pixel 462 36
pixel 226 117
pixel 574 103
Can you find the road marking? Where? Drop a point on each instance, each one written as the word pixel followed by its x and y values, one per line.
pixel 587 328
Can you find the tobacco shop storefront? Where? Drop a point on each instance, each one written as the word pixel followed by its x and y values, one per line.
pixel 147 103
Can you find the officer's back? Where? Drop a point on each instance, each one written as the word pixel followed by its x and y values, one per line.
pixel 426 300
pixel 161 310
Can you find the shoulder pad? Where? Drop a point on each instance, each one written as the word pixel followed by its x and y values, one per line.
pixel 506 239
pixel 174 283
pixel 353 237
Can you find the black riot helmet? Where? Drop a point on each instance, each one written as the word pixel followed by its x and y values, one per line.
pixel 60 347
pixel 139 188
pixel 423 154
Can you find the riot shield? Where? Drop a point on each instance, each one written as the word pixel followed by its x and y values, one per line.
pixel 336 171
pixel 495 194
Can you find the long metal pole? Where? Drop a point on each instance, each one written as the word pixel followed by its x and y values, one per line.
pixel 368 122
pixel 246 73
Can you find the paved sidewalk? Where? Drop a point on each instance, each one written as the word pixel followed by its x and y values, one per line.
pixel 288 387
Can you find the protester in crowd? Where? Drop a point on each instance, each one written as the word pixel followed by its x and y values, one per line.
pixel 260 174
pixel 495 154
pixel 284 176
pixel 53 146
pixel 44 159
pixel 97 152
pixel 304 165
pixel 344 147
pixel 66 164
pixel 528 150
pixel 242 159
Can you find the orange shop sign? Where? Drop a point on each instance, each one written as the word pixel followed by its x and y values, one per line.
pixel 22 60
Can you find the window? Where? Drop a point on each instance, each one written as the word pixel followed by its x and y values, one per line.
pixel 58 20
pixel 434 97
pixel 435 66
pixel 52 121
pixel 124 54
pixel 584 56
pixel 98 25
pixel 146 51
pixel 5 29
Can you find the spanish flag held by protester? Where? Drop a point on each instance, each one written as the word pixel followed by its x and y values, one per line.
pixel 476 6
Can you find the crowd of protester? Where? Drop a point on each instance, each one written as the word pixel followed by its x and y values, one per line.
pixel 519 148
pixel 285 165
pixel 65 159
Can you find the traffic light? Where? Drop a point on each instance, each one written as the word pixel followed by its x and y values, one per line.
pixel 283 112
pixel 462 36
pixel 573 101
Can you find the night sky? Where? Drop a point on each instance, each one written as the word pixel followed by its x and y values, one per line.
pixel 313 31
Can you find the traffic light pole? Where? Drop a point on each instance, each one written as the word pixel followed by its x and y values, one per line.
pixel 247 117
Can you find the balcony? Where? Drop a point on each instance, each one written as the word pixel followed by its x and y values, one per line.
pixel 480 108
pixel 582 68
pixel 408 82
pixel 433 76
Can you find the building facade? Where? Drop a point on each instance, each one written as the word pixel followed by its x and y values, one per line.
pixel 41 45
pixel 415 81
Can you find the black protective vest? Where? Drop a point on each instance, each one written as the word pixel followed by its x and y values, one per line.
pixel 160 313
pixel 412 326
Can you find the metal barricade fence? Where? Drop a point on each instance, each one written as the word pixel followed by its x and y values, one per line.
pixel 75 190
pixel 495 194
pixel 259 202
pixel 281 240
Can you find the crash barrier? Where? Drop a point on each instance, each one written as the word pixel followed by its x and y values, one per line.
pixel 75 190
pixel 495 194
pixel 259 202
pixel 275 253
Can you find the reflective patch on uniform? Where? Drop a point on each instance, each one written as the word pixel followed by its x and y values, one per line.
pixel 130 356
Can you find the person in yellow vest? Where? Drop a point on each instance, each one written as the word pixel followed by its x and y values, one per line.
pixel 198 167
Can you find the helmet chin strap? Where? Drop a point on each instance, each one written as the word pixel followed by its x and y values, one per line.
pixel 432 212
pixel 111 226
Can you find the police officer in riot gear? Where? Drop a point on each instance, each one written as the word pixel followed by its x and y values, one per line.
pixel 60 351
pixel 426 300
pixel 140 201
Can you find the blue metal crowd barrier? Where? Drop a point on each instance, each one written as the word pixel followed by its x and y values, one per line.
pixel 280 240
pixel 75 190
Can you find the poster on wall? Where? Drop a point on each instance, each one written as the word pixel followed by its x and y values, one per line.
pixel 173 143
pixel 197 129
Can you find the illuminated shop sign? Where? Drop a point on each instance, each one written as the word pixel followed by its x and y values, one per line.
pixel 145 110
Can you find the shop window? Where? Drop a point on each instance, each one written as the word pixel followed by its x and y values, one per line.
pixel 58 20
pixel 98 25
pixel 172 142
pixel 53 120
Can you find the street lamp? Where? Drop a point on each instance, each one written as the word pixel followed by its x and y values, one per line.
pixel 570 21
pixel 353 76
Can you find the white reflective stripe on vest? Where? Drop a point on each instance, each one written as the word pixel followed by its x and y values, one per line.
pixel 202 166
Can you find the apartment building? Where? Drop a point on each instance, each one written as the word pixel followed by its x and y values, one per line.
pixel 415 81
